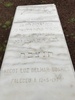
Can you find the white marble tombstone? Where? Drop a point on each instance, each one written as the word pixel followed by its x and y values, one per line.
pixel 37 64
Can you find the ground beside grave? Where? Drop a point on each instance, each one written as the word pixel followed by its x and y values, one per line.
pixel 66 11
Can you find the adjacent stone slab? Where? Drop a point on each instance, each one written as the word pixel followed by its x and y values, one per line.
pixel 37 64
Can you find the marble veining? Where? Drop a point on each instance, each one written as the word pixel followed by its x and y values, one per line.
pixel 37 63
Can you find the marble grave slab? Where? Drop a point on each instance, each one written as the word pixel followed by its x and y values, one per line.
pixel 37 63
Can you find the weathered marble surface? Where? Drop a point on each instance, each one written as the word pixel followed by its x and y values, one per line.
pixel 37 64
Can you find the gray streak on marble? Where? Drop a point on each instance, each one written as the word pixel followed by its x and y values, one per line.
pixel 37 63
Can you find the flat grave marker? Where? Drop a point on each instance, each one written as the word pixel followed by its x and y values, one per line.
pixel 37 63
